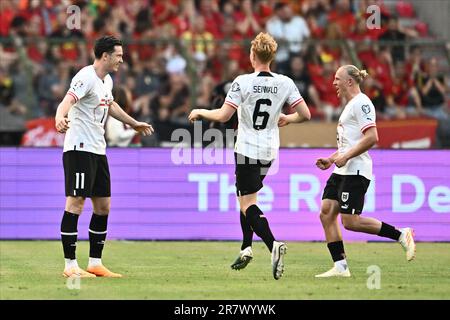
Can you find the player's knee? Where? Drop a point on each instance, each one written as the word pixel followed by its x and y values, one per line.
pixel 246 202
pixel 244 208
pixel 324 217
pixel 326 213
pixel 75 205
pixel 103 210
pixel 246 205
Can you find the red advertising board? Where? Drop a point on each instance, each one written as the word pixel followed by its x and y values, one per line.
pixel 409 133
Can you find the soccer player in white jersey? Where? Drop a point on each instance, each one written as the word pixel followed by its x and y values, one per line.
pixel 258 98
pixel 347 185
pixel 88 103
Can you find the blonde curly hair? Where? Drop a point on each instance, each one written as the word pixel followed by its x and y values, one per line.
pixel 264 46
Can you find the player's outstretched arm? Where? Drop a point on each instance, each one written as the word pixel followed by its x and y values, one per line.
pixel 61 121
pixel 217 115
pixel 302 114
pixel 117 112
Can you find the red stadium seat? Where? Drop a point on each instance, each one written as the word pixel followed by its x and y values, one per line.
pixel 422 28
pixel 404 9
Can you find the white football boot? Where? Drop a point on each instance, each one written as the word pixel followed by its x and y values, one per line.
pixel 337 271
pixel 407 241
pixel 278 251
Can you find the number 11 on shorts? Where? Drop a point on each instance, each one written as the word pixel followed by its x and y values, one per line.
pixel 77 180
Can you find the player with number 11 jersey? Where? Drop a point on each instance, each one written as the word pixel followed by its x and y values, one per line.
pixel 88 115
pixel 82 115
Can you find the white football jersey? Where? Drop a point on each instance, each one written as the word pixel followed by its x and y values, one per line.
pixel 88 115
pixel 259 98
pixel 357 116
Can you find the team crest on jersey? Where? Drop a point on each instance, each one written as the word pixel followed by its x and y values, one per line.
pixel 365 108
pixel 344 196
pixel 235 87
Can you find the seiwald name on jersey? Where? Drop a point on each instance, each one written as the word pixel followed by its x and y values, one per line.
pixel 357 116
pixel 259 98
pixel 88 115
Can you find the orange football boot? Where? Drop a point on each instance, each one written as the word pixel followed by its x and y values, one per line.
pixel 77 272
pixel 102 271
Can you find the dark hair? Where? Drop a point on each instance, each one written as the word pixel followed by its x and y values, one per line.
pixel 106 44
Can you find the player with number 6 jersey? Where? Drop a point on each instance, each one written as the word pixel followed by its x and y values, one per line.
pixel 82 115
pixel 258 99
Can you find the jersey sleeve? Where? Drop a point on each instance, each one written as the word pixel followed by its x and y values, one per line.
pixel 234 96
pixel 294 96
pixel 365 115
pixel 79 87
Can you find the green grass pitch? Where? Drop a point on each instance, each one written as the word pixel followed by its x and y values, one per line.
pixel 201 270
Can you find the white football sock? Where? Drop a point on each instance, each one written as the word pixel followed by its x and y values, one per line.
pixel 71 263
pixel 93 262
pixel 341 265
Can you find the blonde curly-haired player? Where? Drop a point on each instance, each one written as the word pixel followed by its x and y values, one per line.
pixel 345 189
pixel 258 98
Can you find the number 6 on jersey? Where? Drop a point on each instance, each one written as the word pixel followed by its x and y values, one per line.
pixel 258 123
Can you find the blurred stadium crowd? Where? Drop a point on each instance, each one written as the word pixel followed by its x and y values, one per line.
pixel 181 54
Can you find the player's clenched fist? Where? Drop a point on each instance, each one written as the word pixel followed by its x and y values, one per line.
pixel 323 163
pixel 62 124
pixel 283 120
